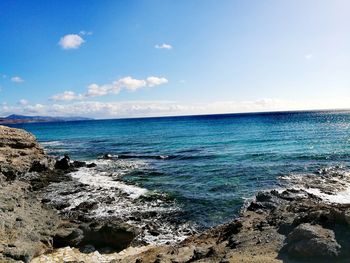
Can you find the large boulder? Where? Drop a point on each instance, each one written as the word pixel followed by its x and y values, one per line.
pixel 63 164
pixel 312 241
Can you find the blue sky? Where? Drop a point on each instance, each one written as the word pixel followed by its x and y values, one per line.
pixel 107 59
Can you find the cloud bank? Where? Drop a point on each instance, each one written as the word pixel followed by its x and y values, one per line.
pixel 125 83
pixel 98 109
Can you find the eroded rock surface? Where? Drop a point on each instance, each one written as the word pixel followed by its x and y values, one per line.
pixel 26 226
pixel 18 151
pixel 29 224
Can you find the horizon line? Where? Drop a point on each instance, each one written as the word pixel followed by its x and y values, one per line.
pixel 187 115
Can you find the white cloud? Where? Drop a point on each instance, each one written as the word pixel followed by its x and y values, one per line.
pixel 71 41
pixel 95 90
pixel 23 102
pixel 155 81
pixel 163 46
pixel 308 56
pixel 17 79
pixel 130 83
pixel 126 83
pixel 66 96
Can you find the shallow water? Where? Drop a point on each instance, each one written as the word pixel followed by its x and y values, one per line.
pixel 208 164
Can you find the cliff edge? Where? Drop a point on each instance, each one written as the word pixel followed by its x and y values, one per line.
pixel 26 226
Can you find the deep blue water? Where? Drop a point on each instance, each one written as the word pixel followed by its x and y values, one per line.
pixel 215 161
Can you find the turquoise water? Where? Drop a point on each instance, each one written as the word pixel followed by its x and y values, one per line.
pixel 209 164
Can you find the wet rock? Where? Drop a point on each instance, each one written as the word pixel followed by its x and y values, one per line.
pixel 86 206
pixel 107 156
pixel 91 165
pixel 38 166
pixel 312 241
pixel 154 232
pixel 60 205
pixel 78 164
pixel 63 164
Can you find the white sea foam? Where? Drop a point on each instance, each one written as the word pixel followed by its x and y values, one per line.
pixel 331 184
pixel 342 197
pixel 114 198
pixel 98 179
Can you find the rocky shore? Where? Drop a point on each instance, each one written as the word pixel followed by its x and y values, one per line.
pixel 47 215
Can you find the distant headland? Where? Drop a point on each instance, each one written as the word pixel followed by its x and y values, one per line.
pixel 11 119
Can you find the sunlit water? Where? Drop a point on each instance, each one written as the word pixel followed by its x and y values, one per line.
pixel 208 164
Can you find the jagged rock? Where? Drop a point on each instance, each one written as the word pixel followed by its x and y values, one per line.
pixel 18 150
pixel 63 164
pixel 38 166
pixel 265 200
pixel 312 241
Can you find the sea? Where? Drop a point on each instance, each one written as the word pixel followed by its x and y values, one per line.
pixel 208 165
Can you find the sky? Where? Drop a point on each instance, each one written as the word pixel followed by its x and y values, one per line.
pixel 111 59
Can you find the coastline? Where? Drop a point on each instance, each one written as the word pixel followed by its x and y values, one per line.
pixel 292 225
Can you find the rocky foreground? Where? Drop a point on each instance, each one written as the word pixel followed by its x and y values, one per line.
pixel 278 226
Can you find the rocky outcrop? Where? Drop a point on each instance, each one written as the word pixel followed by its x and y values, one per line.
pixel 29 226
pixel 289 226
pixel 26 226
pixel 18 151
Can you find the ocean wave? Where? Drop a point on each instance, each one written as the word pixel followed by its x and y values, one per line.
pixel 331 184
pixel 114 198
pixel 52 143
pixel 158 157
pixel 135 156
pixel 94 178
